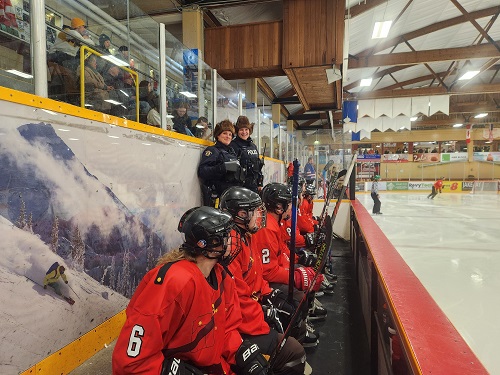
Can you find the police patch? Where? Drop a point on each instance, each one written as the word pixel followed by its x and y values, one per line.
pixel 208 153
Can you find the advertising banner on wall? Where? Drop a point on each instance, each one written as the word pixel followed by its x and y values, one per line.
pixel 454 157
pixel 397 185
pixel 395 158
pixel 424 185
pixel 486 156
pixel 426 158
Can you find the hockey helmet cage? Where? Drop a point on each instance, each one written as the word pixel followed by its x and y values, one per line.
pixel 310 190
pixel 208 230
pixel 276 193
pixel 244 204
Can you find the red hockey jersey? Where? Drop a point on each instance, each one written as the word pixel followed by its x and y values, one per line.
pixel 286 232
pixel 269 243
pixel 167 314
pixel 247 271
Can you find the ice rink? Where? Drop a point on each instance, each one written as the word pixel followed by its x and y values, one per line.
pixel 452 244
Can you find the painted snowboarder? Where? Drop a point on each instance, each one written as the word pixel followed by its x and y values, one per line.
pixel 52 276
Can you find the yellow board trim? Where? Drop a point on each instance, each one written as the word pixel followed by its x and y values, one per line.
pixel 31 100
pixel 75 353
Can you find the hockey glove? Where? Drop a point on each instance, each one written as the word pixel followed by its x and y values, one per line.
pixel 271 316
pixel 306 258
pixel 174 366
pixel 303 277
pixel 250 360
pixel 278 300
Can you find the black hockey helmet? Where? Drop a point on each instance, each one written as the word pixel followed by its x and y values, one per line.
pixel 243 205
pixel 208 230
pixel 275 194
pixel 310 190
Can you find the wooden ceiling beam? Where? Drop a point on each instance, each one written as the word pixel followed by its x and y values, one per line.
pixel 429 29
pixel 378 75
pixel 364 6
pixel 427 56
pixel 468 90
pixel 269 93
pixel 476 25
pixel 414 80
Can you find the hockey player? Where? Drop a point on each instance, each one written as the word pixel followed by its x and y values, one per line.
pixel 437 187
pixel 376 197
pixel 275 254
pixel 185 313
pixel 219 167
pixel 248 154
pixel 249 214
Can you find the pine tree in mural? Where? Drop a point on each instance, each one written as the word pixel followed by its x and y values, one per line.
pixel 150 257
pixel 77 250
pixel 29 224
pixel 124 279
pixel 54 236
pixel 112 273
pixel 21 221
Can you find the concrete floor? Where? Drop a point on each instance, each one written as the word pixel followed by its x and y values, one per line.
pixel 452 244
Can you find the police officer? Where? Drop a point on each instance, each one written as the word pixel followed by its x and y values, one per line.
pixel 219 167
pixel 248 154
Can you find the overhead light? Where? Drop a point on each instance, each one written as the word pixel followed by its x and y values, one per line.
pixel 381 29
pixel 457 125
pixel 413 118
pixel 468 75
pixel 488 142
pixel 481 115
pixel 366 82
pixel 316 142
pixel 112 101
pixel 188 94
pixel 20 74
pixel 114 60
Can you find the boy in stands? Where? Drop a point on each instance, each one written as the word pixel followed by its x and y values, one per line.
pixel 260 324
pixel 185 313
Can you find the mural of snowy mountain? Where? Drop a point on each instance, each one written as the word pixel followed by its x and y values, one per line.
pixel 35 322
pixel 43 186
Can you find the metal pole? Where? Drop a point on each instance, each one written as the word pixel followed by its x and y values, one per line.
pixel 240 104
pixel 163 77
pixel 39 47
pixel 214 96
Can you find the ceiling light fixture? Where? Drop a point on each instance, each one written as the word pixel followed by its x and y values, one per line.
pixel 468 75
pixel 381 29
pixel 18 73
pixel 366 82
pixel 188 94
pixel 481 115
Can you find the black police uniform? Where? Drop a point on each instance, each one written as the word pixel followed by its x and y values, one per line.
pixel 249 160
pixel 212 170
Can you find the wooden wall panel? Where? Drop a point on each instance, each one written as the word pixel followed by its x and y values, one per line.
pixel 313 32
pixel 245 51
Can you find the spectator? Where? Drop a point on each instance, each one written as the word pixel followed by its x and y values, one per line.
pixel 96 90
pixel 80 32
pixel 64 48
pixel 203 131
pixel 182 122
pixel 247 153
pixel 120 92
pixel 309 171
pixel 104 44
pixel 219 167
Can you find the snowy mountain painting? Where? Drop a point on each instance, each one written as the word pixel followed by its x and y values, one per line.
pixel 53 209
pixel 35 322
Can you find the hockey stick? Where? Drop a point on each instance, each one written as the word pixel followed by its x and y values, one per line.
pixel 295 188
pixel 320 263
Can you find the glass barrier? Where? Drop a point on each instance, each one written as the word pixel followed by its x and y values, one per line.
pixel 227 101
pixel 16 62
pixel 265 125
